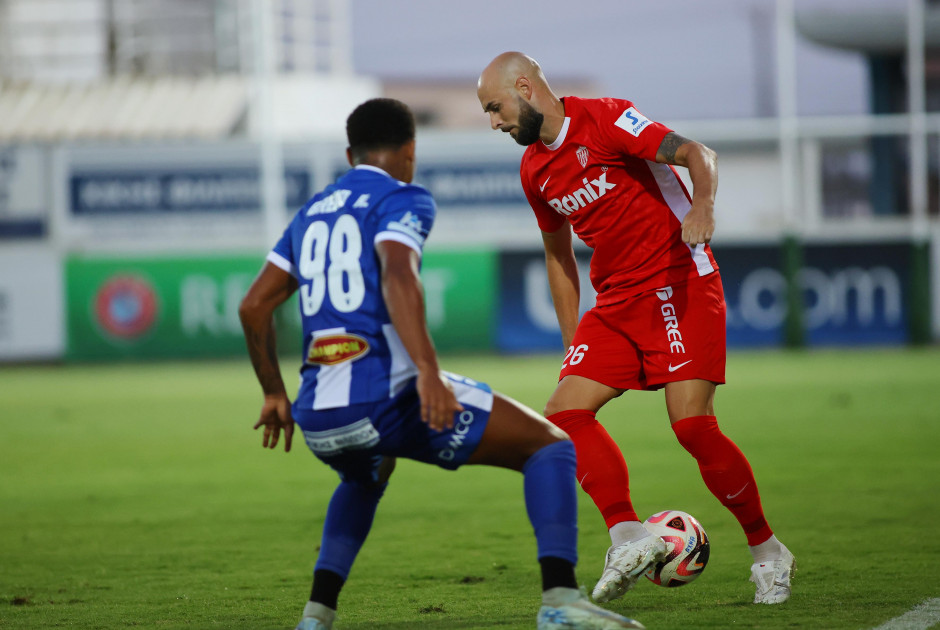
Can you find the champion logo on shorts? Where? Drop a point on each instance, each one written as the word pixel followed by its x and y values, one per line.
pixel 333 349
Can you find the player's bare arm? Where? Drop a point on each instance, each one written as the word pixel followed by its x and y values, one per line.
pixel 563 279
pixel 270 289
pixel 702 162
pixel 404 297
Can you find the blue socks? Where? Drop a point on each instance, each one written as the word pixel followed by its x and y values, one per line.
pixel 550 497
pixel 348 521
pixel 551 500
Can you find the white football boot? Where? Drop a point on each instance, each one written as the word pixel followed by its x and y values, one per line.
pixel 773 578
pixel 316 617
pixel 625 564
pixel 570 608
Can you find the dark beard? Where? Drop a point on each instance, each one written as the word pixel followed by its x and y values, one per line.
pixel 530 124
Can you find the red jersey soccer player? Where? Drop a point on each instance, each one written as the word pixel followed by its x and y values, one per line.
pixel 601 168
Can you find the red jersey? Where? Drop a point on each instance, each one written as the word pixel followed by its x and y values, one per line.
pixel 602 176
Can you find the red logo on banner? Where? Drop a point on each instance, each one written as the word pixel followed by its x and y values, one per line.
pixel 126 306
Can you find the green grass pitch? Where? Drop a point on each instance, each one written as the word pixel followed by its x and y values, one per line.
pixel 136 495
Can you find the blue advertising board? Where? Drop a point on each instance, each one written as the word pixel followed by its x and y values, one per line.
pixel 454 185
pixel 527 320
pixel 852 294
pixel 162 190
pixel 467 185
pixel 857 294
pixel 755 294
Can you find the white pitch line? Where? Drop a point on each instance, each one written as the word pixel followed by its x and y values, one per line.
pixel 918 618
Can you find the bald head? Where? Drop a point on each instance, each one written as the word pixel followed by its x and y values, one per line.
pixel 512 89
pixel 509 66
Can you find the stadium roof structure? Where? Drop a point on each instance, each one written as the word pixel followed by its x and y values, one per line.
pixel 123 109
pixel 869 30
pixel 177 108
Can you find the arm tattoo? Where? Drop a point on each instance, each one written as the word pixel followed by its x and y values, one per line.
pixel 669 146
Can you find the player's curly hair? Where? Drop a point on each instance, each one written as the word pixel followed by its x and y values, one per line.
pixel 379 123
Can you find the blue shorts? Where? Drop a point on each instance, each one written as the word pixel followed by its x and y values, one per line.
pixel 354 439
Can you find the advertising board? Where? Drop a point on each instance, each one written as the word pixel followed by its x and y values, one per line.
pixel 188 306
pixel 31 308
pixel 852 295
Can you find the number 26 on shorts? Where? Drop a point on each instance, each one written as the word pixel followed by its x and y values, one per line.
pixel 574 355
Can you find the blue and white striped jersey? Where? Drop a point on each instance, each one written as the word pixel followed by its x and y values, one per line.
pixel 352 352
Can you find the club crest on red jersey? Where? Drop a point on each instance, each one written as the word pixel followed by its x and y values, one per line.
pixel 582 154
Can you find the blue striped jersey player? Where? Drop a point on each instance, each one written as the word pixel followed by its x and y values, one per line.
pixel 352 352
pixel 371 387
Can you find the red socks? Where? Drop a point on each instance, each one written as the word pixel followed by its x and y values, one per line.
pixel 601 471
pixel 726 473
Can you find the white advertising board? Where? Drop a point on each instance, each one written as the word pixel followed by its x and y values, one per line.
pixel 32 325
pixel 24 191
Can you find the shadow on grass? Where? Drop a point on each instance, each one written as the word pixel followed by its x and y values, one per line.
pixel 443 623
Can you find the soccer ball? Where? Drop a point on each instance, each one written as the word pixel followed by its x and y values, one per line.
pixel 686 545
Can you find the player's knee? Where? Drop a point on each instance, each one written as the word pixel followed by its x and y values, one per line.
pixel 548 435
pixel 386 468
pixel 371 487
pixel 535 441
pixel 556 434
pixel 552 407
pixel 554 404
pixel 558 448
pixel 372 481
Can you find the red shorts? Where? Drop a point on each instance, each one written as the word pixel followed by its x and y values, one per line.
pixel 675 333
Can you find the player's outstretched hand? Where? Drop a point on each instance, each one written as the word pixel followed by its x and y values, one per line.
pixel 698 227
pixel 438 402
pixel 275 416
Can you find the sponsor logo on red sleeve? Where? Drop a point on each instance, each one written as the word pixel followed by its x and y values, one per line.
pixel 633 122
